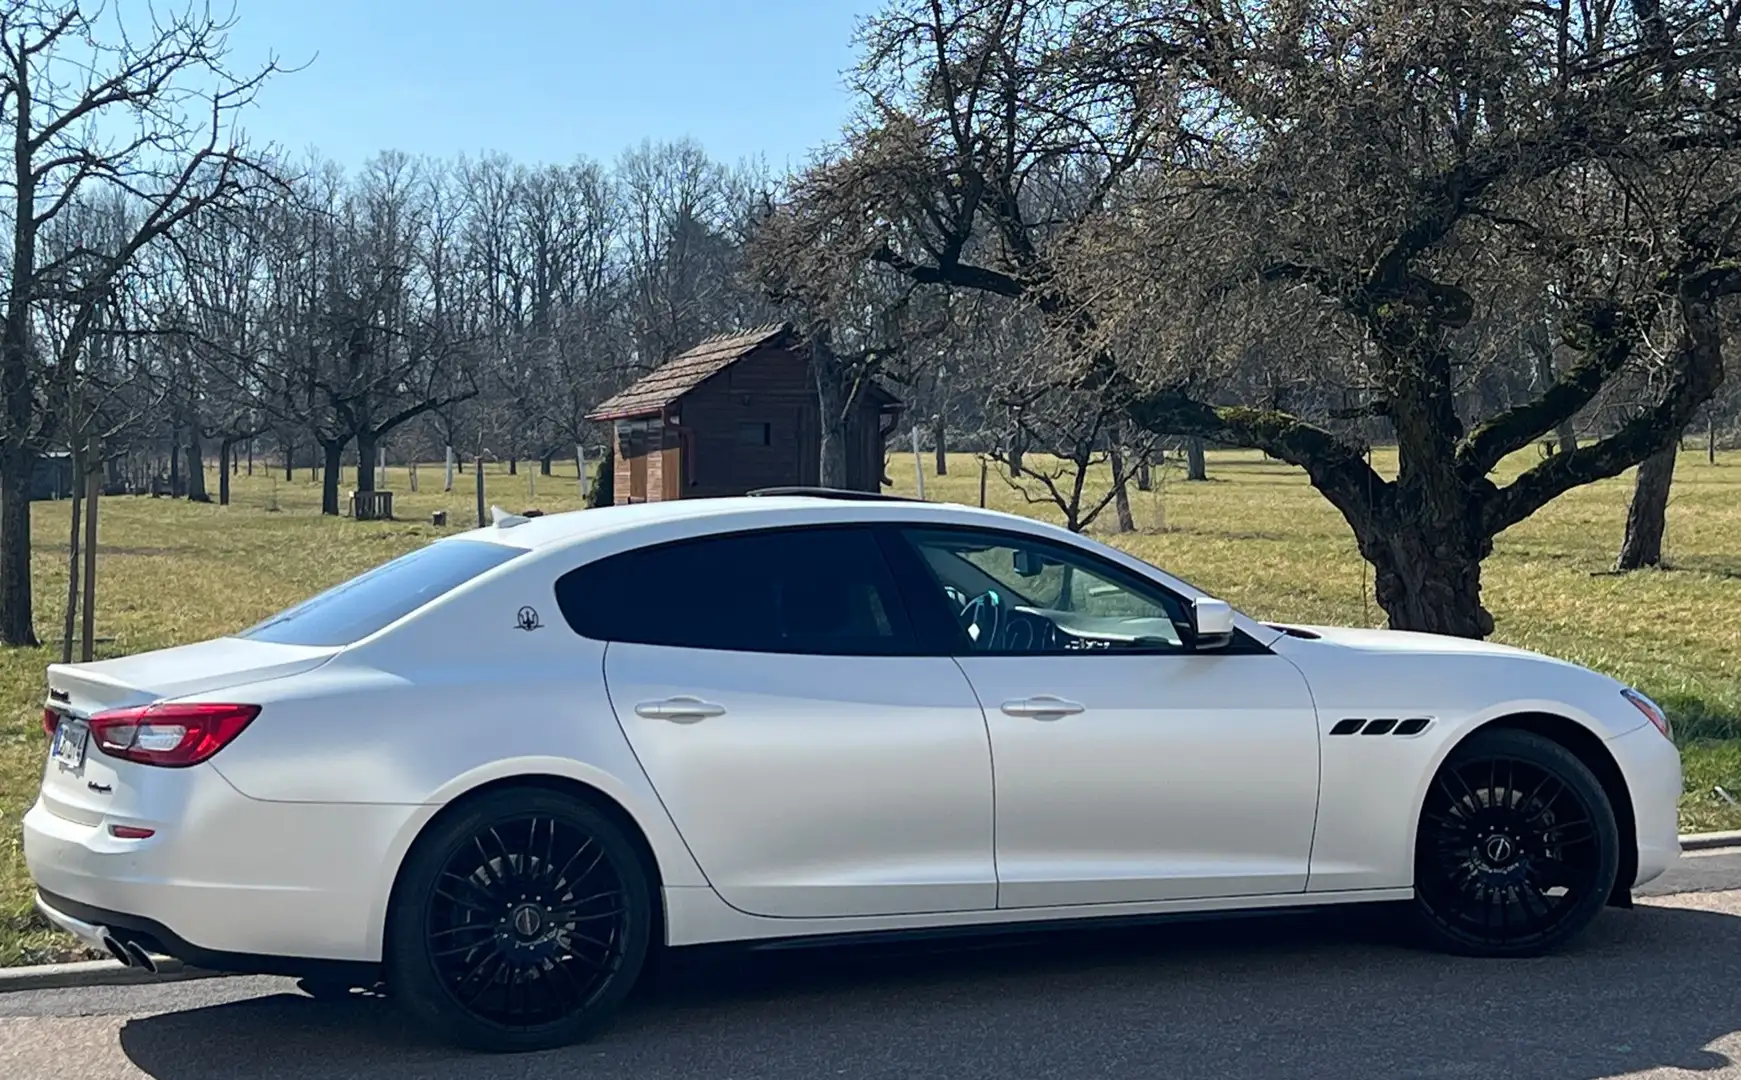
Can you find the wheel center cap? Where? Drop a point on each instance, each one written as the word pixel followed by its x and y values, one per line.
pixel 527 920
pixel 1500 849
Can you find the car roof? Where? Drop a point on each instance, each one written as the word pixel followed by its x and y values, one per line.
pixel 571 527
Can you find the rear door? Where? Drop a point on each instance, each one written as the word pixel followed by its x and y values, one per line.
pixel 816 761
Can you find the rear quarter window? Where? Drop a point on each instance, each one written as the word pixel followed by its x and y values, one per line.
pixel 352 611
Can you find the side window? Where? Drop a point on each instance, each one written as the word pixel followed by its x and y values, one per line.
pixel 1011 594
pixel 819 591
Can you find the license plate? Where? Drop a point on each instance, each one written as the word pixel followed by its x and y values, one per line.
pixel 70 739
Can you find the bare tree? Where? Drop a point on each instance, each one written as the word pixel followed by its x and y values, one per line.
pixel 166 90
pixel 1160 183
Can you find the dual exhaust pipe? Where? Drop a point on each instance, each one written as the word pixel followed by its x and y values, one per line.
pixel 129 953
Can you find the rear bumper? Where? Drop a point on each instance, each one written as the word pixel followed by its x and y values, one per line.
pixel 226 879
pixel 92 925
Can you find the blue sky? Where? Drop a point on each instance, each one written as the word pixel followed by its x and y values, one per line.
pixel 546 80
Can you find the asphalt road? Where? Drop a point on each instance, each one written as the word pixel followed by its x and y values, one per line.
pixel 1655 992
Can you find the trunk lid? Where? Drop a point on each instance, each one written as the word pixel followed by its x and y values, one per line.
pixel 86 787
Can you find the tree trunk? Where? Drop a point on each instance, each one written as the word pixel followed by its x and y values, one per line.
pixel 250 457
pixel 334 453
pixel 1196 467
pixel 1427 574
pixel 289 462
pixel 176 488
pixel 940 433
pixel 226 465
pixel 366 461
pixel 1145 480
pixel 831 397
pixel 1710 440
pixel 544 465
pixel 16 612
pixel 514 463
pixel 196 469
pixel 1641 546
pixel 1121 483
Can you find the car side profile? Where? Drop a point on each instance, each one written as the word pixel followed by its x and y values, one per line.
pixel 493 774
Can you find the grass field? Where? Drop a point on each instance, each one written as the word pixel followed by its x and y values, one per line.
pixel 1255 534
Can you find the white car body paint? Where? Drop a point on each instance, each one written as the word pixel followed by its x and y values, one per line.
pixel 842 795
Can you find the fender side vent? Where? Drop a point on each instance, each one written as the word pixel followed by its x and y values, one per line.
pixel 1414 725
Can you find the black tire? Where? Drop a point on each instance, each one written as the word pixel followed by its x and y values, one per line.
pixel 520 922
pixel 1517 849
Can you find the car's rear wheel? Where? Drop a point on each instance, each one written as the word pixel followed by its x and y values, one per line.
pixel 521 921
pixel 1517 849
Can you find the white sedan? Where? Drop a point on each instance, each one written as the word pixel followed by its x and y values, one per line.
pixel 491 775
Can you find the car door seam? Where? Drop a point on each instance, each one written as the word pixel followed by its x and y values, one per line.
pixel 991 761
pixel 610 700
pixel 1318 743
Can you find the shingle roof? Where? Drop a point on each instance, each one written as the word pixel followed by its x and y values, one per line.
pixel 681 374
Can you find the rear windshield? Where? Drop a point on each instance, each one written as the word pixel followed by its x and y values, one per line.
pixel 370 601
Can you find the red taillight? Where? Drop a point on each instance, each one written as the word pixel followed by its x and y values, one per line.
pixel 50 721
pixel 171 735
pixel 131 832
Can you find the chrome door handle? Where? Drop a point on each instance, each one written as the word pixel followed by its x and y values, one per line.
pixel 684 710
pixel 1044 707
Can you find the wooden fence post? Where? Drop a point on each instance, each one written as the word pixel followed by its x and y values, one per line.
pixel 479 472
pixel 88 641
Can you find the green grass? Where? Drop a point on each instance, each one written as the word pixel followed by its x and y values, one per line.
pixel 1256 534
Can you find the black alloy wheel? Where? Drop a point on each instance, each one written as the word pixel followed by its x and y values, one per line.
pixel 522 922
pixel 1517 849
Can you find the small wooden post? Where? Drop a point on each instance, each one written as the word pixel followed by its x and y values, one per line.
pixel 414 478
pixel 479 473
pixel 87 643
pixel 449 486
pixel 918 462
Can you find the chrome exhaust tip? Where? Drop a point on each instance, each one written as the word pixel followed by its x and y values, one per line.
pixel 141 959
pixel 118 951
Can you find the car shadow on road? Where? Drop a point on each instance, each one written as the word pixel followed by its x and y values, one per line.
pixel 1331 995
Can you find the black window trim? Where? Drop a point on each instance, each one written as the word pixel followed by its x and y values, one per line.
pixel 907 641
pixel 924 594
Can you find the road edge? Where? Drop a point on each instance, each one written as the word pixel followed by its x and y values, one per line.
pixel 83 973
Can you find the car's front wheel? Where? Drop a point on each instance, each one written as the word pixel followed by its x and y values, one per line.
pixel 1517 849
pixel 520 922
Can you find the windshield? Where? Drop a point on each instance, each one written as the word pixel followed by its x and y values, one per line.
pixel 370 601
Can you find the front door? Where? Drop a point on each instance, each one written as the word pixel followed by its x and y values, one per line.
pixel 813 761
pixel 1128 767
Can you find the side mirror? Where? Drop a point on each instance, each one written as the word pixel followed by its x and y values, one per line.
pixel 1211 623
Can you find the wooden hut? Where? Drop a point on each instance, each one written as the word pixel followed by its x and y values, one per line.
pixel 736 413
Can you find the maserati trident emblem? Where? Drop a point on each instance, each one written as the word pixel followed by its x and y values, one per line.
pixel 1500 849
pixel 527 619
